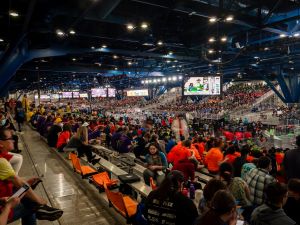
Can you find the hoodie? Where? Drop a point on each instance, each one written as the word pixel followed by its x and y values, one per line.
pixel 266 215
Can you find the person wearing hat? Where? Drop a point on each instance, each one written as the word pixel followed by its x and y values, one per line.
pixel 167 204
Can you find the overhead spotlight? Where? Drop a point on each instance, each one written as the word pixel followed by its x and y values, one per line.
pixel 159 80
pixel 176 61
pixel 266 48
pixel 115 56
pixel 210 51
pixel 174 78
pixel 173 66
pixel 159 43
pixel 213 19
pixel 229 18
pixel 142 82
pixel 13 14
pixel 282 35
pixel 104 46
pixel 296 35
pixel 180 77
pixel 292 68
pixel 223 39
pixel 155 81
pixel 72 32
pixel 170 53
pixel 116 68
pixel 130 27
pixel 144 25
pixel 92 47
pixel 178 70
pixel 1 40
pixel 164 79
pixel 60 33
pixel 129 63
pixel 168 61
pixel 290 61
pixel 180 66
pixel 256 57
pixel 169 78
pixel 74 59
pixel 212 39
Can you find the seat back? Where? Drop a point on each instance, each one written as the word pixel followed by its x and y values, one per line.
pixel 75 162
pixel 152 184
pixel 117 201
pixel 102 178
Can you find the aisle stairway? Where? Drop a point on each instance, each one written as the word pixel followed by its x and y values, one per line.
pixel 81 203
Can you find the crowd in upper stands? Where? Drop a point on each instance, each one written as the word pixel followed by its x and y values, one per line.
pixel 253 181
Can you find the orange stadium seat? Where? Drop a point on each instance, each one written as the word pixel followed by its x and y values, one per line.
pixel 84 171
pixel 102 178
pixel 125 205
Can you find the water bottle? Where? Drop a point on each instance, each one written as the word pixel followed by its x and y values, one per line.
pixel 192 191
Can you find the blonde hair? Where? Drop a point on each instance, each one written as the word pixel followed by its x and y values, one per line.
pixel 82 134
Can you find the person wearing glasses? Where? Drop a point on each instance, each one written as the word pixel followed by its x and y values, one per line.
pixel 32 206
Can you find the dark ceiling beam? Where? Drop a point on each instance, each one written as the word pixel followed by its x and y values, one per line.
pixel 52 52
pixel 107 8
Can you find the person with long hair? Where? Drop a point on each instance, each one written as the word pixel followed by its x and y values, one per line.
pixel 222 210
pixel 156 163
pixel 168 204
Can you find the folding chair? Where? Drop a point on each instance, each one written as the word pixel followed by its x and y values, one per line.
pixel 84 171
pixel 103 178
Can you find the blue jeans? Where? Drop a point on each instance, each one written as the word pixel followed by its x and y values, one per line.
pixel 24 211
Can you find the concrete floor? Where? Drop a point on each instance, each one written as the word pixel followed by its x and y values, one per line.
pixel 81 202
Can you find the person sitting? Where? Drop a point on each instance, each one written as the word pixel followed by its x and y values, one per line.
pixel 63 137
pixel 258 179
pixel 32 206
pixel 53 134
pixel 212 186
pixel 222 211
pixel 292 205
pixel 7 205
pixel 214 157
pixel 167 204
pixel 271 212
pixel 156 162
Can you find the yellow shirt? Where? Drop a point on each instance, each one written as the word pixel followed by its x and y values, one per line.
pixel 6 170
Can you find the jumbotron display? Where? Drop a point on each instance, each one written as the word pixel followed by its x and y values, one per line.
pixel 99 92
pixel 67 94
pixel 206 85
pixel 111 92
pixel 134 93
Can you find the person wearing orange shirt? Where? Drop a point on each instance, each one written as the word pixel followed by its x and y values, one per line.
pixel 214 157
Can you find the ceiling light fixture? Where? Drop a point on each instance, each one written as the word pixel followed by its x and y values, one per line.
pixel 159 43
pixel 13 14
pixel 130 27
pixel 74 59
pixel 1 40
pixel 60 33
pixel 72 32
pixel 296 35
pixel 266 48
pixel 129 63
pixel 170 53
pixel 116 68
pixel 213 19
pixel 223 39
pixel 144 25
pixel 210 51
pixel 104 46
pixel 115 56
pixel 229 18
pixel 212 39
pixel 92 47
pixel 282 35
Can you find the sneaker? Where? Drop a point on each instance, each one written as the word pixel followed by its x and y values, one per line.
pixel 46 212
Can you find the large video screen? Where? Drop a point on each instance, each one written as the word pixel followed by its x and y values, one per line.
pixel 140 92
pixel 206 85
pixel 54 96
pixel 98 92
pixel 67 94
pixel 83 95
pixel 42 97
pixel 111 92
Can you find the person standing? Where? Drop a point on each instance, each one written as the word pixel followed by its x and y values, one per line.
pixel 291 161
pixel 19 114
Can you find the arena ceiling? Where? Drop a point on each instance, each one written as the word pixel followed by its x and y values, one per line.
pixel 90 42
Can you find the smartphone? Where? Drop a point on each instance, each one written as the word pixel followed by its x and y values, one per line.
pixel 19 192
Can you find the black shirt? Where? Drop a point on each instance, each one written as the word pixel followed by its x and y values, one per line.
pixel 291 163
pixel 292 209
pixel 175 209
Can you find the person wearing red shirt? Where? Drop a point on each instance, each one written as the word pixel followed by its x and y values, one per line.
pixel 63 137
